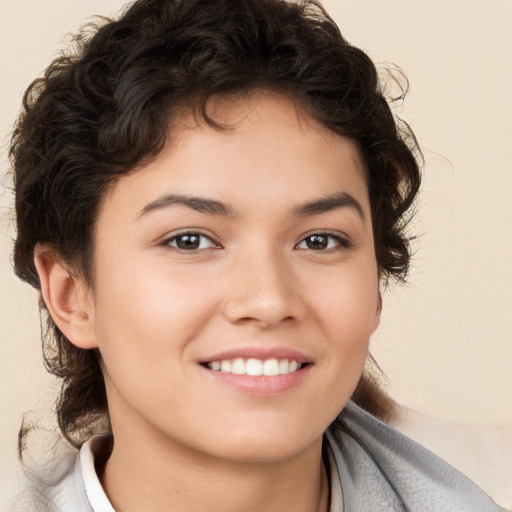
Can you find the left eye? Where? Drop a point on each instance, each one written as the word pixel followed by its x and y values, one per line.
pixel 321 242
pixel 190 242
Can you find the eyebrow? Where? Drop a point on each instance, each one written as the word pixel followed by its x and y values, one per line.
pixel 329 203
pixel 213 207
pixel 200 204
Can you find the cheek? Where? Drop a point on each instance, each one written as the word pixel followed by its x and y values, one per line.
pixel 145 318
pixel 347 303
pixel 146 326
pixel 348 312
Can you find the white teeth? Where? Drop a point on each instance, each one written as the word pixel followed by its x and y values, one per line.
pixel 271 367
pixel 253 367
pixel 284 366
pixel 225 366
pixel 256 367
pixel 238 366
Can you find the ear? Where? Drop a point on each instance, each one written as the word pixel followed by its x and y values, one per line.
pixel 376 319
pixel 67 298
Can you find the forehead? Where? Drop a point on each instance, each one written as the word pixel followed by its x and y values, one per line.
pixel 268 148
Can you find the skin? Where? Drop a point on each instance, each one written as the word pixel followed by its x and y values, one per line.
pixel 184 438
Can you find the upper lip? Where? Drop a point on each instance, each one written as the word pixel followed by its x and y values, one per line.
pixel 262 353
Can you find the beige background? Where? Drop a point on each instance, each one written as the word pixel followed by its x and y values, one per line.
pixel 445 338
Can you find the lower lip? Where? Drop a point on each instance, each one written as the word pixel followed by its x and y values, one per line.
pixel 261 385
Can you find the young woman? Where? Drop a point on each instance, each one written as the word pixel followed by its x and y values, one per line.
pixel 209 195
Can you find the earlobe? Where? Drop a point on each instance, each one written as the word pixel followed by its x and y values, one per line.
pixel 66 298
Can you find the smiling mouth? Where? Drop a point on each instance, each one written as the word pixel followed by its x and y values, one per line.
pixel 256 367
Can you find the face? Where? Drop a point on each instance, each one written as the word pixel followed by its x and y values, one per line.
pixel 236 286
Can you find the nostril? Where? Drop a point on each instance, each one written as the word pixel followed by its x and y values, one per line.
pixel 266 306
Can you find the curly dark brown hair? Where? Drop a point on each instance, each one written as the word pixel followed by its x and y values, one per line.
pixel 100 110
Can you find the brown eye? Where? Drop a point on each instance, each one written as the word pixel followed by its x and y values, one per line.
pixel 190 242
pixel 322 242
pixel 317 242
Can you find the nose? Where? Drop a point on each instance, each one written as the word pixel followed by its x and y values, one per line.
pixel 264 291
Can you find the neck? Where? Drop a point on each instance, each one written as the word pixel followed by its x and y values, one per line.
pixel 144 473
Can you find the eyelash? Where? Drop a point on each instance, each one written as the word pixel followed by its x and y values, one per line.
pixel 198 234
pixel 341 242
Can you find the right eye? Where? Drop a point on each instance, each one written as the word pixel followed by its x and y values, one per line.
pixel 190 242
pixel 324 242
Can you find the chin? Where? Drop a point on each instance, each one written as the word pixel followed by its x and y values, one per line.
pixel 267 445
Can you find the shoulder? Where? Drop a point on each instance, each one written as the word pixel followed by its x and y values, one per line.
pixel 380 467
pixel 56 486
pixel 482 452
